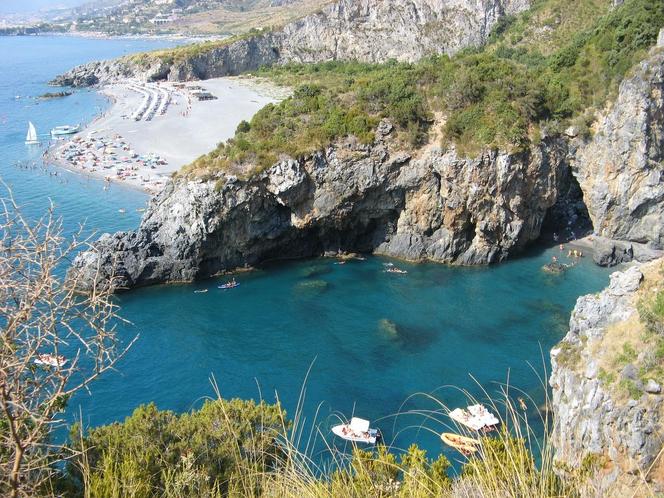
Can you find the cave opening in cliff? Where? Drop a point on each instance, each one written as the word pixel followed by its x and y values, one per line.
pixel 568 217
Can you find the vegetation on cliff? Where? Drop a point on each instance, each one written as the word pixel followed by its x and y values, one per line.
pixel 190 51
pixel 239 448
pixel 503 95
pixel 631 359
pixel 157 452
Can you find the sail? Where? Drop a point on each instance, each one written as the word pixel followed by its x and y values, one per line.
pixel 31 137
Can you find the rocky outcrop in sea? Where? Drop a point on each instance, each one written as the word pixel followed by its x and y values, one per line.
pixel 595 417
pixel 347 198
pixel 364 30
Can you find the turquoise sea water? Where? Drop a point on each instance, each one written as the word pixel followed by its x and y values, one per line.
pixel 371 339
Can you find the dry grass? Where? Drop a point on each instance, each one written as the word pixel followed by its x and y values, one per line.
pixel 610 350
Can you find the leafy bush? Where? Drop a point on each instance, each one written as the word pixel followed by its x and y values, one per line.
pixel 193 454
pixel 627 355
pixel 651 312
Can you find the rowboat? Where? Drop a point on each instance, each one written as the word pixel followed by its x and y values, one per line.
pixel 465 445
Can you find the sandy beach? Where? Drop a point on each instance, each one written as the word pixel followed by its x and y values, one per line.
pixel 153 129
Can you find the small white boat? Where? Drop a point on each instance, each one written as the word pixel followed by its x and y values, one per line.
pixel 31 137
pixel 230 285
pixel 475 417
pixel 398 271
pixel 357 431
pixel 59 131
pixel 51 360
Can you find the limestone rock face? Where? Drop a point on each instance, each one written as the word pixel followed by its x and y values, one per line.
pixel 365 30
pixel 350 197
pixel 621 169
pixel 405 30
pixel 591 417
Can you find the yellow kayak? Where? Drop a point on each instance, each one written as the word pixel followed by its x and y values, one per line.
pixel 465 445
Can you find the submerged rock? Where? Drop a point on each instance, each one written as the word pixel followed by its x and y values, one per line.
pixel 388 328
pixel 312 287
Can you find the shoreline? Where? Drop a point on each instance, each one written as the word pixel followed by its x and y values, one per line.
pixel 151 130
pixel 99 35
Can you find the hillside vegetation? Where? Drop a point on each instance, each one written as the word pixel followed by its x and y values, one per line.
pixel 237 17
pixel 243 449
pixel 543 70
pixel 182 17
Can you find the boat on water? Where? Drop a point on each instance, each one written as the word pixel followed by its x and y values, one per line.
pixel 465 445
pixel 50 360
pixel 357 430
pixel 31 138
pixel 200 291
pixel 230 285
pixel 60 131
pixel 398 271
pixel 475 417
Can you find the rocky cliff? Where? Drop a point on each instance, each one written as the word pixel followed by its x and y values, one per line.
pixel 419 205
pixel 349 197
pixel 365 30
pixel 607 407
pixel 621 169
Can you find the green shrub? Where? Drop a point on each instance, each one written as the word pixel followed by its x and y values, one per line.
pixel 651 312
pixel 606 378
pixel 197 453
pixel 630 388
pixel 627 355
pixel 569 355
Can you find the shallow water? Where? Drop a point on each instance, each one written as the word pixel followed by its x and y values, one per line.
pixel 372 339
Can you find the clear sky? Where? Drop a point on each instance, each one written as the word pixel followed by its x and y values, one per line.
pixel 22 6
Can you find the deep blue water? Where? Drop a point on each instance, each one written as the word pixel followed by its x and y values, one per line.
pixel 372 339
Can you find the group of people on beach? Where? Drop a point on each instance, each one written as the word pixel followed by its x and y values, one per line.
pixel 187 111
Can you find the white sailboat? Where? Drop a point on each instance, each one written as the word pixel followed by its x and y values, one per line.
pixel 31 137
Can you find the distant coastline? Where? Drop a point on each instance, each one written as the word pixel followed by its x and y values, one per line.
pixel 28 31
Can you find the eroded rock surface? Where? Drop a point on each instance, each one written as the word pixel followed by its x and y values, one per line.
pixel 350 197
pixel 365 30
pixel 593 414
pixel 621 169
